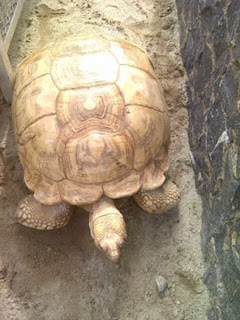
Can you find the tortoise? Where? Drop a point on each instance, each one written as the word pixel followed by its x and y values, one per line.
pixel 91 126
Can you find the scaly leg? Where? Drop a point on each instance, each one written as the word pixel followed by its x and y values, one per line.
pixel 107 227
pixel 33 214
pixel 159 200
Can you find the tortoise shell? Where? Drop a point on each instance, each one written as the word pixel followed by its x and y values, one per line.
pixel 90 119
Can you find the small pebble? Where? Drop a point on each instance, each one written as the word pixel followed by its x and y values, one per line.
pixel 161 284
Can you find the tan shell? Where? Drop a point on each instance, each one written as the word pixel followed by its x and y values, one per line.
pixel 90 119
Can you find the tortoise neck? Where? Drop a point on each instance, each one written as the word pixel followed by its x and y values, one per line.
pixel 104 206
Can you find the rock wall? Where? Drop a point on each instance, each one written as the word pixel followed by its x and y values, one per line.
pixel 210 48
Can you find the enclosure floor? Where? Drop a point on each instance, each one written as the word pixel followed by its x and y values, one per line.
pixel 60 274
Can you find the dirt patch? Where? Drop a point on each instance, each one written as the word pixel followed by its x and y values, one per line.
pixel 60 274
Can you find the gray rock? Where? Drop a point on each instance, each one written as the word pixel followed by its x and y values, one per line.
pixel 210 49
pixel 161 284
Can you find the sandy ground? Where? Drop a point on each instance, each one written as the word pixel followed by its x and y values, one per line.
pixel 60 274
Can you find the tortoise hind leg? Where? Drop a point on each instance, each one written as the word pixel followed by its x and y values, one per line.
pixel 159 200
pixel 33 214
pixel 107 227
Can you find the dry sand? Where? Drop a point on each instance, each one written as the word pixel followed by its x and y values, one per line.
pixel 60 274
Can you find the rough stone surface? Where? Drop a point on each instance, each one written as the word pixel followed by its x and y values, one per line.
pixel 210 47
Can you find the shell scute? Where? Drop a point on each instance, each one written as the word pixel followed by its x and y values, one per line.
pixel 32 177
pixel 153 176
pixel 84 70
pixel 147 130
pixel 37 100
pixel 139 88
pixel 98 104
pixel 123 187
pixel 47 192
pixel 37 65
pixel 40 141
pixel 128 54
pixel 79 194
pixel 75 45
pixel 97 157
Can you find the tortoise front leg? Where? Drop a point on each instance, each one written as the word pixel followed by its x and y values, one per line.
pixel 107 227
pixel 159 200
pixel 33 214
